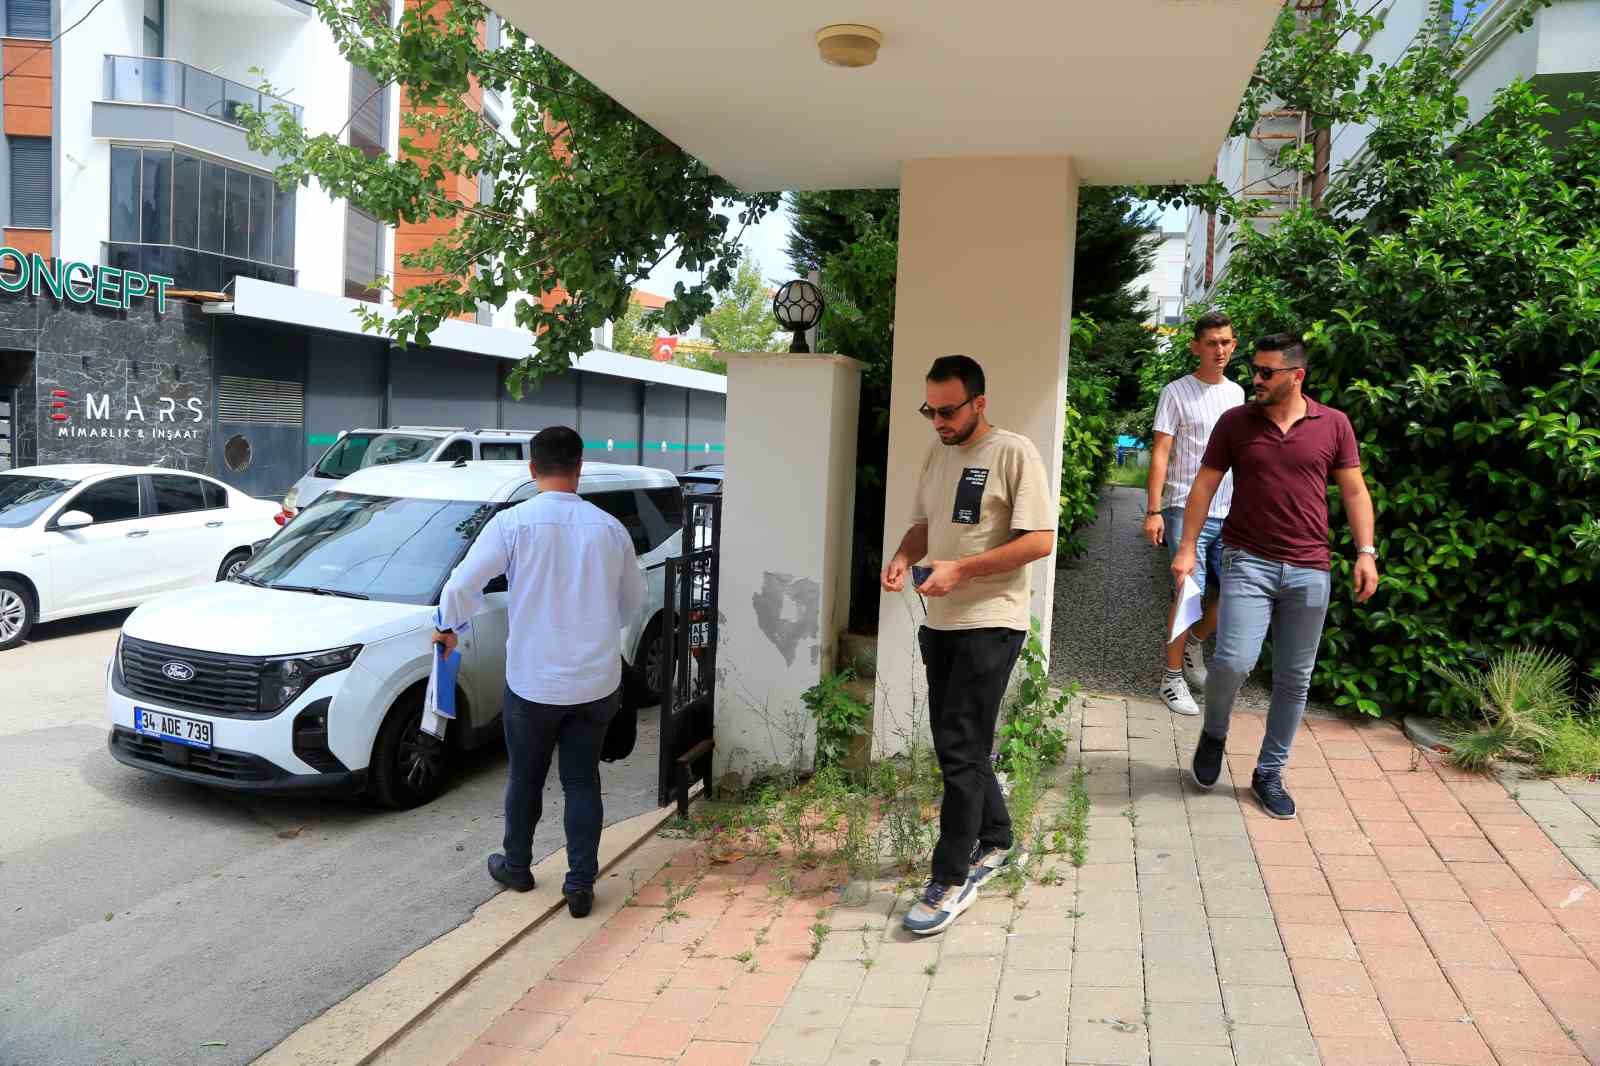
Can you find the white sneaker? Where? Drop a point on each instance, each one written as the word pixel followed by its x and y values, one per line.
pixel 1175 694
pixel 1194 663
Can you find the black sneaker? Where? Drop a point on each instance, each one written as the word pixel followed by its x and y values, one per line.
pixel 1269 792
pixel 580 901
pixel 1206 766
pixel 517 882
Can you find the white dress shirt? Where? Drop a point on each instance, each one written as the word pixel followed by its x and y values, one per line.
pixel 574 578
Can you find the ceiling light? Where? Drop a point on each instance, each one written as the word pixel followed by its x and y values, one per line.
pixel 847 44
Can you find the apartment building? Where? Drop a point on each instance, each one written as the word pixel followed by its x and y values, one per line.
pixel 173 304
pixel 1559 53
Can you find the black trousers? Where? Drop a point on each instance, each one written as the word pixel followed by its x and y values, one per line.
pixel 967 675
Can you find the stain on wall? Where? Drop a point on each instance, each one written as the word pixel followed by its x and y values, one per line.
pixel 787 611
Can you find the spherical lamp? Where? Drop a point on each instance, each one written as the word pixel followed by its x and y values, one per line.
pixel 797 306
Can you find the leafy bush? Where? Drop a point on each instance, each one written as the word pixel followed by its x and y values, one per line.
pixel 839 716
pixel 1087 448
pixel 1028 735
pixel 1448 296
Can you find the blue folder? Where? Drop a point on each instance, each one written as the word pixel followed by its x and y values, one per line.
pixel 445 668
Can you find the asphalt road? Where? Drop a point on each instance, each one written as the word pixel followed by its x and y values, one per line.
pixel 150 921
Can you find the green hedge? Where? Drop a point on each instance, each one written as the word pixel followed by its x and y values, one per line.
pixel 1450 297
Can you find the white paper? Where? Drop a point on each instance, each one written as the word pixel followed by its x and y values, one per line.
pixel 433 723
pixel 1189 609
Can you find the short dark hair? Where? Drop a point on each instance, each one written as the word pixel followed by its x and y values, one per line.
pixel 1293 349
pixel 961 368
pixel 557 451
pixel 1209 321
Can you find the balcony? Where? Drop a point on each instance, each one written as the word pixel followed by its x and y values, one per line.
pixel 169 102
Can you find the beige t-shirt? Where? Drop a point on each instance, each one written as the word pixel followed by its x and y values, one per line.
pixel 974 498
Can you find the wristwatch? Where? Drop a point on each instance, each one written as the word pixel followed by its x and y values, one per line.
pixel 1152 514
pixel 1368 549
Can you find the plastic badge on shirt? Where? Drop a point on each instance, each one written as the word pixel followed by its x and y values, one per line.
pixel 969 496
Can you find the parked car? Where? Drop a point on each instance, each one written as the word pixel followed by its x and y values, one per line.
pixel 307 670
pixel 702 481
pixel 358 449
pixel 76 539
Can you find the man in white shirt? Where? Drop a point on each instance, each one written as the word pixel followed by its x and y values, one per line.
pixel 1185 415
pixel 573 576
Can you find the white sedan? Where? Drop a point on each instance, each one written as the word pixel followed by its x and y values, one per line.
pixel 81 538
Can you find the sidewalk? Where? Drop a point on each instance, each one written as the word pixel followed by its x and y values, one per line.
pixel 1413 914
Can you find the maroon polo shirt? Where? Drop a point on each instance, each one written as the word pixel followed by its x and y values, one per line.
pixel 1280 480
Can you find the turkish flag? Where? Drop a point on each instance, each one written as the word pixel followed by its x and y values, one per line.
pixel 665 348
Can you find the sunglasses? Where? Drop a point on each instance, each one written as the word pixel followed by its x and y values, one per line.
pixel 1266 373
pixel 946 413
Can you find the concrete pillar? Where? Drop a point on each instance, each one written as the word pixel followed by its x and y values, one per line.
pixel 784 592
pixel 985 270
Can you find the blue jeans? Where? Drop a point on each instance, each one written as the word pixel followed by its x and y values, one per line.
pixel 1207 551
pixel 534 732
pixel 1293 601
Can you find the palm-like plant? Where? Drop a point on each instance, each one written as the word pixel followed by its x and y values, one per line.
pixel 1521 697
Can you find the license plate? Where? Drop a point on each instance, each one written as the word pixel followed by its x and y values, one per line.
pixel 190 731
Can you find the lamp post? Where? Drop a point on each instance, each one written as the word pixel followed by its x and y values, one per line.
pixel 797 306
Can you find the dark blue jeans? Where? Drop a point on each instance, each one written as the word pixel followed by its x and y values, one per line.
pixel 534 733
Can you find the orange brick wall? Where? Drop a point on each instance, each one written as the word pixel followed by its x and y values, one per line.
pixel 416 236
pixel 28 241
pixel 27 89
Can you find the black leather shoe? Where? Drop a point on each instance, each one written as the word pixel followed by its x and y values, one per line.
pixel 579 902
pixel 1269 792
pixel 1206 766
pixel 517 882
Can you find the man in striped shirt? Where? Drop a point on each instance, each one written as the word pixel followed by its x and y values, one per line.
pixel 1185 415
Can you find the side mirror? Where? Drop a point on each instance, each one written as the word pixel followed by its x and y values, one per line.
pixel 258 545
pixel 74 520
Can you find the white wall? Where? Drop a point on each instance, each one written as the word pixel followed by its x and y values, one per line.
pixel 1165 278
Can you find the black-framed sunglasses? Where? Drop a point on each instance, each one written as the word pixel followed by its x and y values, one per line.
pixel 946 413
pixel 1267 373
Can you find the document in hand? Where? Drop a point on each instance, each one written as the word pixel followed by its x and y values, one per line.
pixel 1189 608
pixel 439 702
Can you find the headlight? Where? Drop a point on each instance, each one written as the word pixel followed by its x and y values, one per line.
pixel 284 679
pixel 291 499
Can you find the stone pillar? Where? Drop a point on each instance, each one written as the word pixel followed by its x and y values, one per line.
pixel 784 594
pixel 985 270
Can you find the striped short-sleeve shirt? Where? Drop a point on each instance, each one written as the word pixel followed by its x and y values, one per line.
pixel 1188 411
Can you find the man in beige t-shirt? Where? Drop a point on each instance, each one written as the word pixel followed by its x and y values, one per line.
pixel 984 510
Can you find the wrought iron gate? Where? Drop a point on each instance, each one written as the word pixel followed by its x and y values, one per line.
pixel 689 664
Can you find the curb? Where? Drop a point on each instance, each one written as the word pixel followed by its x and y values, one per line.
pixel 1427 732
pixel 362 1026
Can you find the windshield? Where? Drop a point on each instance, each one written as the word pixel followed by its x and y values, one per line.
pixel 24 497
pixel 381 547
pixel 357 451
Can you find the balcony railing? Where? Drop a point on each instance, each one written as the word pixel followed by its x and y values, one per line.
pixel 146 80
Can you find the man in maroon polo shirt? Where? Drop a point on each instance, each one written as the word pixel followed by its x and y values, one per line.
pixel 1283 450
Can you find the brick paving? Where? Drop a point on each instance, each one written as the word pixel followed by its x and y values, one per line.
pixel 1411 914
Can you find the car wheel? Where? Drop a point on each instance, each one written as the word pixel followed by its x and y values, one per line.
pixel 235 562
pixel 645 678
pixel 16 613
pixel 409 767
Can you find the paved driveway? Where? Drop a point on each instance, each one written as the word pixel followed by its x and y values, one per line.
pixel 143 919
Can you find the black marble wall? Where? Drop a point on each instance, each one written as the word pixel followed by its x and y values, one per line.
pixel 136 384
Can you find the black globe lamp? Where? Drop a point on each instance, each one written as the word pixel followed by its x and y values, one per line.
pixel 797 306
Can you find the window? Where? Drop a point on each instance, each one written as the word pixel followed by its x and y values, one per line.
pixel 457 449
pixel 492 32
pixel 363 254
pixel 176 494
pixel 30 181
pixel 28 18
pixel 369 118
pixel 650 516
pixel 357 451
pixel 500 451
pixel 165 203
pixel 216 495
pixel 116 500
pixel 155 27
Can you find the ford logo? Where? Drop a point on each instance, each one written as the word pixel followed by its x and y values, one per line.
pixel 178 671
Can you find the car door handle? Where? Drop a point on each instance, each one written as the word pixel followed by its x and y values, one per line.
pixel 213 525
pixel 139 533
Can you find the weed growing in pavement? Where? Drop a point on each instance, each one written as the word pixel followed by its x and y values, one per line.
pixel 819 933
pixel 839 716
pixel 1076 818
pixel 1131 814
pixel 744 956
pixel 930 969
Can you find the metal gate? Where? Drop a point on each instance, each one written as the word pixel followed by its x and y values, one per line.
pixel 689 667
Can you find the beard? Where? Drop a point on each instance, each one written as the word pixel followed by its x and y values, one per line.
pixel 961 436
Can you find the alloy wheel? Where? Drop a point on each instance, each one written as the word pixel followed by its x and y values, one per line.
pixel 421 758
pixel 12 613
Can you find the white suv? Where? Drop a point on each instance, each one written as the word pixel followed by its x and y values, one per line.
pixel 358 449
pixel 306 670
